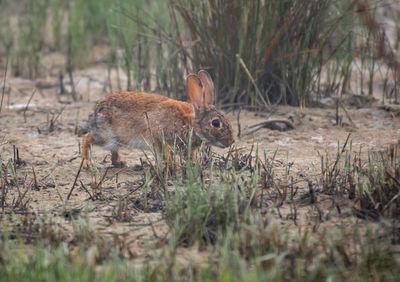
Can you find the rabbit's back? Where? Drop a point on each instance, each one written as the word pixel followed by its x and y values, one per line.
pixel 136 119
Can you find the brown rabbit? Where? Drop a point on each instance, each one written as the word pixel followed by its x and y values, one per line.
pixel 136 119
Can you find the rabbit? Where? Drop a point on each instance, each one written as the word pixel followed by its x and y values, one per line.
pixel 136 119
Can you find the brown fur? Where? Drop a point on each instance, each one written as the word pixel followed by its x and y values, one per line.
pixel 137 118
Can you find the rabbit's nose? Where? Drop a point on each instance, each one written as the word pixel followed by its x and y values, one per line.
pixel 227 142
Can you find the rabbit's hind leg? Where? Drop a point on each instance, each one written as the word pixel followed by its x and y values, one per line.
pixel 86 142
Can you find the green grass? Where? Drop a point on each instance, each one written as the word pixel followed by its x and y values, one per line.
pixel 260 250
pixel 214 212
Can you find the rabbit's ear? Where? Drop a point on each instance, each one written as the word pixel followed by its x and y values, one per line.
pixel 208 87
pixel 195 91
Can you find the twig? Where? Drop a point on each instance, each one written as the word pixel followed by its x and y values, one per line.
pixel 338 157
pixel 84 188
pixel 238 121
pixel 54 119
pixel 4 85
pixel 348 115
pixel 34 178
pixel 76 178
pixel 23 206
pixel 27 104
pixel 74 158
pixel 102 178
pixel 134 190
pixel 152 227
pixel 15 156
pixel 61 81
pixel 271 124
pixel 3 193
pixel 267 105
pixel 59 114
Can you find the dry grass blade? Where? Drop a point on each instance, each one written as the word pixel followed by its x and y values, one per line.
pixel 348 115
pixel 76 179
pixel 4 191
pixel 27 104
pixel 342 151
pixel 390 202
pixel 238 122
pixel 98 185
pixel 86 190
pixel 35 179
pixel 4 85
pixel 266 103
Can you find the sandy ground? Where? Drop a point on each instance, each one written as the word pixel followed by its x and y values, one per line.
pixel 54 155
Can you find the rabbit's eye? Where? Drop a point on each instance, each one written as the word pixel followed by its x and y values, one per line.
pixel 215 123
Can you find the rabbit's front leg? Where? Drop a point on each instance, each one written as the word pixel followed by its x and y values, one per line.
pixel 116 159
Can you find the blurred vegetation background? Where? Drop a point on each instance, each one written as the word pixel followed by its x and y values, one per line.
pixel 258 52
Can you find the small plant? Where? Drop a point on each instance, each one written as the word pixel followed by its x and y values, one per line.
pixel 379 186
pixel 374 185
pixel 263 52
pixel 333 177
pixel 205 205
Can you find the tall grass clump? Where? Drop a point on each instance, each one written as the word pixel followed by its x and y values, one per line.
pixel 263 52
pixel 200 213
pixel 373 184
pixel 209 197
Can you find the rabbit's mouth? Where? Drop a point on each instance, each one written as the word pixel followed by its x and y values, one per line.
pixel 213 143
pixel 218 144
